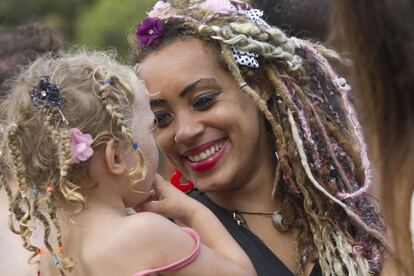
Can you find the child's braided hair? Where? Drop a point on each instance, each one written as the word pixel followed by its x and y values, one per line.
pixel 97 97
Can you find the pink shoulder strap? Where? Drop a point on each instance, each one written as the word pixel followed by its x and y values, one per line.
pixel 181 263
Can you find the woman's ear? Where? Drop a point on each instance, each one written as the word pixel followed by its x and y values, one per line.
pixel 115 158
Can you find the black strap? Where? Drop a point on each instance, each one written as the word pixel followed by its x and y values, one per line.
pixel 265 262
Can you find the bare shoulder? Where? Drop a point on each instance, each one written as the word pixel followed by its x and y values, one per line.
pixel 153 240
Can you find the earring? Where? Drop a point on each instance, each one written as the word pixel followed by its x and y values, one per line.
pixel 175 181
pixel 175 139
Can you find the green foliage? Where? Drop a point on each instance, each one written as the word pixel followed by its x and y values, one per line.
pixel 107 23
pixel 100 24
pixel 58 14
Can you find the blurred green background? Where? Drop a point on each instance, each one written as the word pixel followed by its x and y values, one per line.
pixel 101 24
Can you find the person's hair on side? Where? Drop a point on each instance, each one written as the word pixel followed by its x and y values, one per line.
pixel 379 38
pixel 322 169
pixel 305 19
pixel 95 96
pixel 22 44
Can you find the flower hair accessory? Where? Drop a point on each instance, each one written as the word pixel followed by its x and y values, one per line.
pixel 152 28
pixel 80 145
pixel 149 31
pixel 45 94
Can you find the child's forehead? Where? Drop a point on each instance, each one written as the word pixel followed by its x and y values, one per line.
pixel 141 96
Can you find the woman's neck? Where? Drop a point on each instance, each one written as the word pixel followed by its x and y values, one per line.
pixel 254 196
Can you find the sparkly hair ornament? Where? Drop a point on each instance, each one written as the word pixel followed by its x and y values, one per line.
pixel 47 95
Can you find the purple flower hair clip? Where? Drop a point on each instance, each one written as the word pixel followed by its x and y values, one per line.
pixel 149 31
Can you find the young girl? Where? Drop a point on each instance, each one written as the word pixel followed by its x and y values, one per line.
pixel 78 141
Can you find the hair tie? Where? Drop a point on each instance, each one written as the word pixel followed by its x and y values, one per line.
pixel 243 85
pixel 108 81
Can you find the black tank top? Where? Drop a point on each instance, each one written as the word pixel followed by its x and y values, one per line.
pixel 265 262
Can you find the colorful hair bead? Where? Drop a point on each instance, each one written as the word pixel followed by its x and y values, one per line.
pixel 55 261
pixel 49 189
pixel 135 146
pixel 107 81
pixel 35 192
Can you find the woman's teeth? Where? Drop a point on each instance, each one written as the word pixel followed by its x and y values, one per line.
pixel 205 154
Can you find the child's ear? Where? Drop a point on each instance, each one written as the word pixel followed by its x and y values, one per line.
pixel 115 158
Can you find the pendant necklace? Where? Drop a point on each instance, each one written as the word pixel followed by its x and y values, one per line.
pixel 277 219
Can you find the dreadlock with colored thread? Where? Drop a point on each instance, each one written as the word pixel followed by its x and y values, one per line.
pixel 321 153
pixel 48 106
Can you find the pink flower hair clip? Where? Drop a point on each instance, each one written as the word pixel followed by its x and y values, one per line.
pixel 80 145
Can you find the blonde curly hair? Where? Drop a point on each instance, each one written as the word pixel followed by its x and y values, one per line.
pixel 97 96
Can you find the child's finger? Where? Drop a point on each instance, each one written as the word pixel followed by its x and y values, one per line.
pixel 162 187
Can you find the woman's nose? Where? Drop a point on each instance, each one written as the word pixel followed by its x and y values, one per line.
pixel 187 128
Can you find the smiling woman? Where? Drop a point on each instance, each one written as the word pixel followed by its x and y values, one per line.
pixel 262 125
pixel 206 126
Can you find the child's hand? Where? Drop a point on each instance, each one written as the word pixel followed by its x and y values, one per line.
pixel 171 202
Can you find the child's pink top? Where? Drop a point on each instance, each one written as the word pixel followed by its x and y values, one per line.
pixel 181 263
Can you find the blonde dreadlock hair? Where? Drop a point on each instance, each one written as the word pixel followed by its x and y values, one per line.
pixel 97 97
pixel 321 153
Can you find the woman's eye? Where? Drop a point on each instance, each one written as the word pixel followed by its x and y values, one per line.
pixel 162 119
pixel 204 101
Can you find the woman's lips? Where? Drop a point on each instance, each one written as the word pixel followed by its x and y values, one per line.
pixel 206 156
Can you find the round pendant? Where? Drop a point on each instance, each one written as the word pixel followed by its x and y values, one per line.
pixel 277 220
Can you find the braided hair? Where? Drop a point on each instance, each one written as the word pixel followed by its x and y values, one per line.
pixel 97 98
pixel 322 163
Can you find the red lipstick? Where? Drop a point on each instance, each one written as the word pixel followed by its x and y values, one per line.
pixel 207 164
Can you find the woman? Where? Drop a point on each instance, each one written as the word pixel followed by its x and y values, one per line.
pixel 262 126
pixel 380 39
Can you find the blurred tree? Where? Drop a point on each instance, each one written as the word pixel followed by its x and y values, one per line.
pixel 95 23
pixel 107 23
pixel 57 14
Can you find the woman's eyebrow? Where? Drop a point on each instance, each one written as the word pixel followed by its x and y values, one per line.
pixel 192 86
pixel 188 89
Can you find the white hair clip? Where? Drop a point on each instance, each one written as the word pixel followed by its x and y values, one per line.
pixel 245 58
